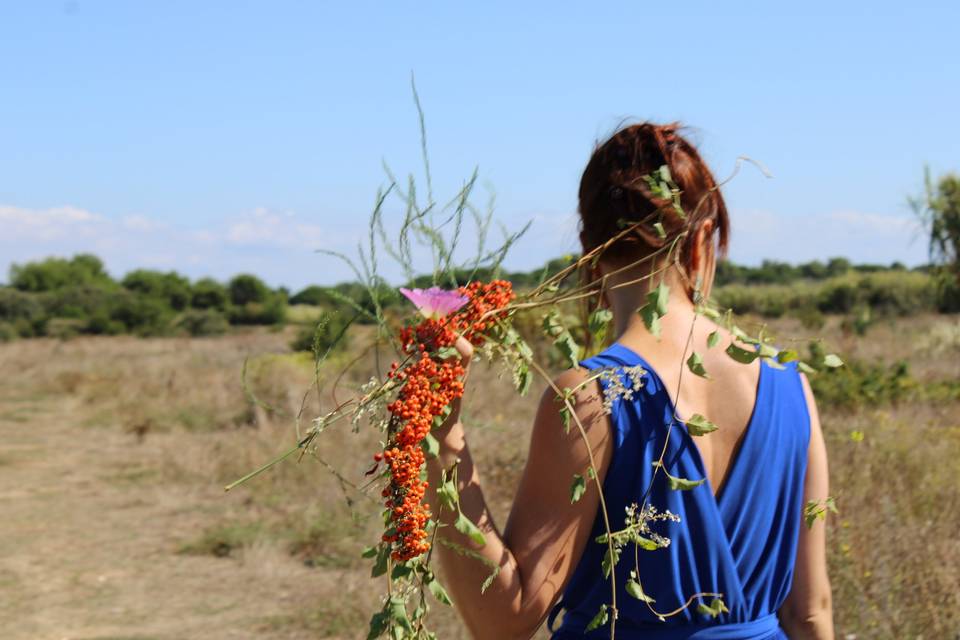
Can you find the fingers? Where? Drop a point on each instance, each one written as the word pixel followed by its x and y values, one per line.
pixel 464 348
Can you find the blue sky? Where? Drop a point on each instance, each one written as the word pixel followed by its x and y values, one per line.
pixel 220 137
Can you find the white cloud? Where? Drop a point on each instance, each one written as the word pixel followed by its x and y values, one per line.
pixel 277 246
pixel 41 225
pixel 283 230
pixel 860 236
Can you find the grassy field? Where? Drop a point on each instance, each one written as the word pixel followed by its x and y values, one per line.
pixel 116 449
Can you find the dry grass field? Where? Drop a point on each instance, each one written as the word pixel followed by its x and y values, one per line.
pixel 115 525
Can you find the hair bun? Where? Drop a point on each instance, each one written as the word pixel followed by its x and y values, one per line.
pixel 669 135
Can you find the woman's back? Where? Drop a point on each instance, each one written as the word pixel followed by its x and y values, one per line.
pixel 652 221
pixel 740 543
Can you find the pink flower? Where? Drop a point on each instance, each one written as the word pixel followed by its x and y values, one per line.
pixel 435 302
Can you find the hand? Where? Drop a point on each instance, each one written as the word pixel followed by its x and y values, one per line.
pixel 465 349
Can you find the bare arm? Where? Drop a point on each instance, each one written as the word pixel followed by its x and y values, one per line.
pixel 545 534
pixel 807 613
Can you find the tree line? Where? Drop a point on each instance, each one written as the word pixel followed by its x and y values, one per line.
pixel 66 296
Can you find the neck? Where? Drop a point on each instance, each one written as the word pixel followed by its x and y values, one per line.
pixel 626 295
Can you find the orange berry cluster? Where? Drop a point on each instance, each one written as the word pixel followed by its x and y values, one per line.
pixel 485 298
pixel 428 387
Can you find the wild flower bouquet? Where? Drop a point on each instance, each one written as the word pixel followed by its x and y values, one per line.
pixel 416 394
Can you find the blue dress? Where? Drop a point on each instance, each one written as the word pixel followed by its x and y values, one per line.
pixel 742 544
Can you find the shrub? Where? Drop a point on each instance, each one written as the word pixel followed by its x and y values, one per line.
pixel 22 312
pixel 328 333
pixel 171 288
pixel 245 289
pixel 271 312
pixel 65 328
pixel 209 294
pixel 142 316
pixel 314 296
pixel 838 297
pixel 7 332
pixel 55 273
pixel 205 322
pixel 948 293
pixel 859 384
pixel 811 318
pixel 102 324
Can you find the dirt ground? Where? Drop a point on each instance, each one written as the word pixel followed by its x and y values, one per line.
pixel 114 524
pixel 89 537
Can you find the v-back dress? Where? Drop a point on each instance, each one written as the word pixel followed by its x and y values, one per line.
pixel 741 543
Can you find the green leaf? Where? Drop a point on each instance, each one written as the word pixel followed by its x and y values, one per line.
pixel 635 590
pixel 609 560
pixel 370 552
pixel 815 510
pixel 552 325
pixel 598 620
pixel 788 355
pixel 565 417
pixel 598 321
pixel 644 543
pixel 695 364
pixel 430 446
pixel 714 609
pixel 713 339
pixel 682 484
pixel 569 348
pixel 400 570
pixel 739 333
pixel 380 565
pixel 660 297
pixel 767 351
pixel 490 578
pixel 397 609
pixel 697 425
pixel 467 528
pixel 591 473
pixel 832 360
pixel 379 623
pixel 438 420
pixel 661 232
pixel 577 488
pixel 522 377
pixel 805 368
pixel 650 319
pixel 741 355
pixel 445 353
pixel 709 312
pixel 438 591
pixel 447 493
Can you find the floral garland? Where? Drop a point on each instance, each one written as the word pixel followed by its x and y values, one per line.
pixel 430 385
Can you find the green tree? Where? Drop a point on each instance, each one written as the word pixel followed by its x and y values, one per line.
pixel 837 266
pixel 313 295
pixel 209 294
pixel 245 288
pixel 939 211
pixel 56 273
pixel 170 287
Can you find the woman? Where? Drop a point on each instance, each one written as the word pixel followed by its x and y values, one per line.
pixel 741 534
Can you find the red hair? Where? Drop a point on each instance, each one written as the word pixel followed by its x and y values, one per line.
pixel 615 194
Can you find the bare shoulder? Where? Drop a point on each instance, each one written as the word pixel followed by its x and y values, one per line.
pixel 571 401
